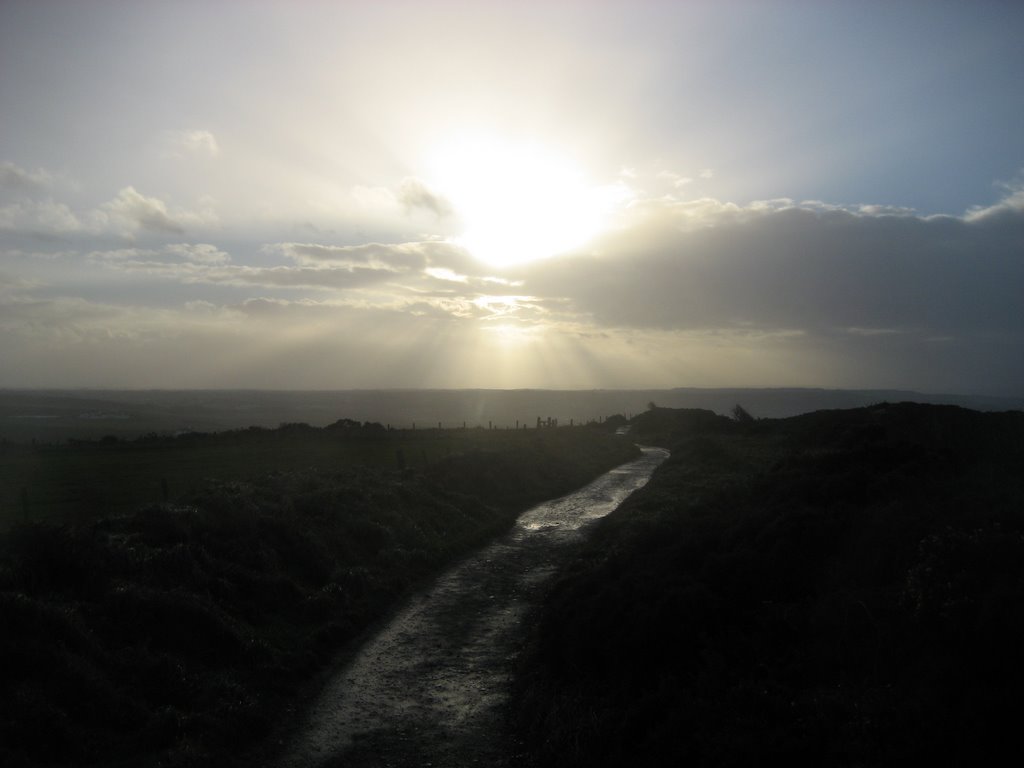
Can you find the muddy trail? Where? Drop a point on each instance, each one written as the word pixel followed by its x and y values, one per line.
pixel 431 687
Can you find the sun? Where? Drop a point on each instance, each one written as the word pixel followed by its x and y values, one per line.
pixel 517 202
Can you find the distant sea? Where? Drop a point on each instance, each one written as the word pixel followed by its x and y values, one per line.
pixel 58 415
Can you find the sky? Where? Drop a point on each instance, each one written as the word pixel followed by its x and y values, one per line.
pixel 600 194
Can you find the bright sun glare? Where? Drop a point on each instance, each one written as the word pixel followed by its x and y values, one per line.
pixel 518 202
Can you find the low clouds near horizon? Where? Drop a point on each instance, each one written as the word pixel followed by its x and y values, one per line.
pixel 774 293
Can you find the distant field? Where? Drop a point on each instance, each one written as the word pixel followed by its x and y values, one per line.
pixel 86 479
pixel 75 454
pixel 57 416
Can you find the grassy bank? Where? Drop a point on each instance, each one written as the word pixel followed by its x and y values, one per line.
pixel 842 588
pixel 175 633
pixel 79 480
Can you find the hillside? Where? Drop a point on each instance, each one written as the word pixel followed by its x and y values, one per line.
pixel 179 633
pixel 838 588
pixel 54 416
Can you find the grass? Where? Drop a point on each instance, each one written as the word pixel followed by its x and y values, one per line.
pixel 81 480
pixel 843 588
pixel 174 633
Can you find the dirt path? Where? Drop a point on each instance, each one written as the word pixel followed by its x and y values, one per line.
pixel 430 688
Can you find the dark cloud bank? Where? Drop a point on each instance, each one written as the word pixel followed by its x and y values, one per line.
pixel 935 299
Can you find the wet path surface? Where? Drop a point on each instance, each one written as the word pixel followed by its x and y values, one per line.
pixel 431 687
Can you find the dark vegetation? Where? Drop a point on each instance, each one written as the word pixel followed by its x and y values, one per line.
pixel 841 588
pixel 178 633
pixel 78 480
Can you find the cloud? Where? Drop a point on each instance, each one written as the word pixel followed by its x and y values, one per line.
pixel 705 264
pixel 131 212
pixel 202 263
pixel 261 342
pixel 299 277
pixel 135 211
pixel 863 283
pixel 677 181
pixel 393 257
pixel 702 292
pixel 66 321
pixel 377 275
pixel 396 257
pixel 19 181
pixel 199 253
pixel 124 255
pixel 1009 208
pixel 13 287
pixel 191 142
pixel 446 275
pixel 40 217
pixel 126 215
pixel 30 208
pixel 414 193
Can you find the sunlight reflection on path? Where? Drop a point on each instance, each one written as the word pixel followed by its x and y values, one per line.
pixel 431 685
